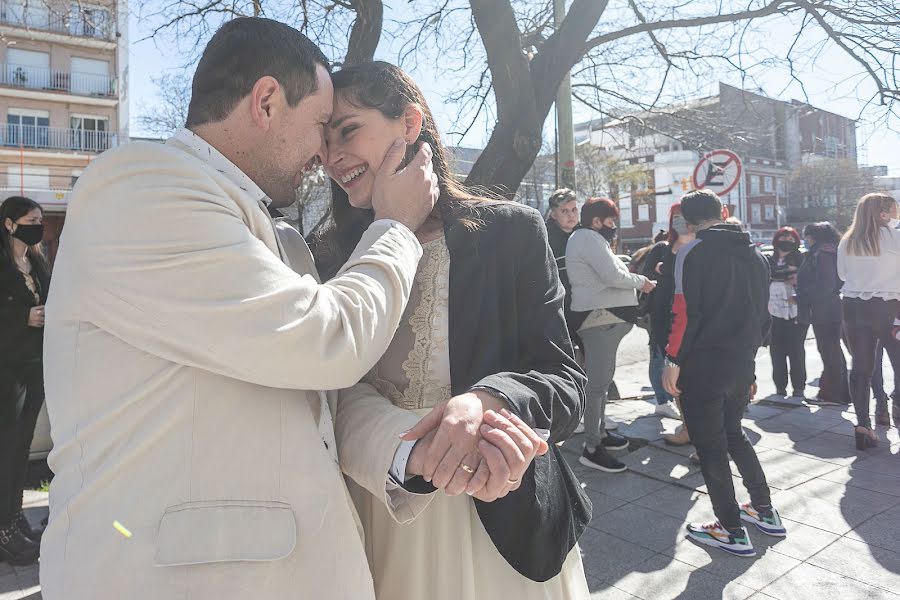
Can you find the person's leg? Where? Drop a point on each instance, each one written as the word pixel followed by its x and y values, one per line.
pixel 739 447
pixel 703 409
pixel 9 412
pixel 778 354
pixel 878 393
pixel 599 373
pixel 797 357
pixel 657 365
pixel 33 378
pixel 863 342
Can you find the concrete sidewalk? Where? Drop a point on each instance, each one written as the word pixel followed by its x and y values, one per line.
pixel 842 507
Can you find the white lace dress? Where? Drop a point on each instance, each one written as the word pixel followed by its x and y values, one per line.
pixel 445 554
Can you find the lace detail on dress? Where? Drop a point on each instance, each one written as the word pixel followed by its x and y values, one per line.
pixel 427 364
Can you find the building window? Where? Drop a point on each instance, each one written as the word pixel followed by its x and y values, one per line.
pixel 90 77
pixel 757 213
pixel 27 128
pixel 768 184
pixel 90 133
pixel 31 178
pixel 643 212
pixel 779 186
pixel 754 185
pixel 25 68
pixel 89 21
pixel 770 212
pixel 625 214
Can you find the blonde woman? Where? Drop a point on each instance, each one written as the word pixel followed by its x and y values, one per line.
pixel 869 264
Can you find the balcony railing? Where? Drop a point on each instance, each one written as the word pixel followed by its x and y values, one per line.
pixel 35 78
pixel 57 138
pixel 88 23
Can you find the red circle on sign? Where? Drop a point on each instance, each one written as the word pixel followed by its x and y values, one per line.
pixel 728 157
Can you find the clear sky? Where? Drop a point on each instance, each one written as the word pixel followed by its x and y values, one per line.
pixel 832 81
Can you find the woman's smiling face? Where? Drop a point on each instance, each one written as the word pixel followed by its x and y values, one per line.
pixel 358 140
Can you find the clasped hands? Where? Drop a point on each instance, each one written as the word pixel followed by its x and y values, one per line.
pixel 471 443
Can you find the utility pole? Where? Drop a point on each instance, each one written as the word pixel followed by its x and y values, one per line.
pixel 566 151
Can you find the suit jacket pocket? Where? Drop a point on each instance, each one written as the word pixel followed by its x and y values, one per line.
pixel 222 531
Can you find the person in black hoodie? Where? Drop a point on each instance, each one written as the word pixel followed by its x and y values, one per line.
pixel 720 320
pixel 562 219
pixel 788 333
pixel 819 304
pixel 24 281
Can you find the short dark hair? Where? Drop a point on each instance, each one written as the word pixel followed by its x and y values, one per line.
pixel 701 206
pixel 598 208
pixel 822 233
pixel 240 53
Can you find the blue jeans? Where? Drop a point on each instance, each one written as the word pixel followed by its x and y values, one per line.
pixel 657 365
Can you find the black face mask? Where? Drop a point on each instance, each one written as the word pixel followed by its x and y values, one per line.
pixel 787 246
pixel 30 234
pixel 608 232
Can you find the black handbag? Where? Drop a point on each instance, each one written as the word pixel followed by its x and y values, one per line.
pixel 535 527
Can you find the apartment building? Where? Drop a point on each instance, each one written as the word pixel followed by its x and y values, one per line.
pixel 63 90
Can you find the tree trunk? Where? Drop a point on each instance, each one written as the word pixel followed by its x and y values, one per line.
pixel 366 32
pixel 524 91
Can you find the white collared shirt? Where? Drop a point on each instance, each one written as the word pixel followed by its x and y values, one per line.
pixel 205 152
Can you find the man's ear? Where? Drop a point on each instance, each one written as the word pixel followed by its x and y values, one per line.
pixel 265 98
pixel 412 117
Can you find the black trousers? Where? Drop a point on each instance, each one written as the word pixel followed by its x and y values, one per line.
pixel 833 385
pixel 866 323
pixel 17 421
pixel 788 339
pixel 881 395
pixel 715 390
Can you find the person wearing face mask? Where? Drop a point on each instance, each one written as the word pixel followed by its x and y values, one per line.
pixel 562 219
pixel 868 261
pixel 24 280
pixel 819 304
pixel 788 334
pixel 660 267
pixel 604 288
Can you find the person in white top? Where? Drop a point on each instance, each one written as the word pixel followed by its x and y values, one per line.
pixel 869 264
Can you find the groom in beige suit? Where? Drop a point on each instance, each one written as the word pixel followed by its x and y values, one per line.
pixel 180 338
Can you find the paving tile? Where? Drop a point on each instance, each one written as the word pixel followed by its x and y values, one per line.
pixel 6 569
pixel 782 436
pixel 757 573
pixel 645 428
pixel 886 483
pixel 785 470
pixel 604 591
pixel 759 412
pixel 808 582
pixel 829 447
pixel 664 578
pixel 887 463
pixel 641 526
pixel 660 464
pixel 802 541
pixel 9 587
pixel 831 506
pixel 603 503
pixel 880 530
pixel 684 451
pixel 608 558
pixel 677 502
pixel 871 564
pixel 625 486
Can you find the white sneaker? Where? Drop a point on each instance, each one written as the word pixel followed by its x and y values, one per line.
pixel 611 424
pixel 667 410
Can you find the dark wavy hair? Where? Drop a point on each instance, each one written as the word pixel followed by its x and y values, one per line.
pixel 822 233
pixel 14 208
pixel 389 90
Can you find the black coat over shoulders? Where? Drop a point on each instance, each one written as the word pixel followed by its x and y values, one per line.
pixel 19 343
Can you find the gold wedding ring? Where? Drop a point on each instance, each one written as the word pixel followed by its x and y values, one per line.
pixel 512 481
pixel 466 468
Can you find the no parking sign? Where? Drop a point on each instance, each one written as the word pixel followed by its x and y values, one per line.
pixel 718 171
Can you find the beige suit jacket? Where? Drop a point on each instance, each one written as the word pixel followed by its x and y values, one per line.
pixel 178 346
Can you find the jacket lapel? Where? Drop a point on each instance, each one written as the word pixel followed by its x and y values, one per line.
pixel 466 286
